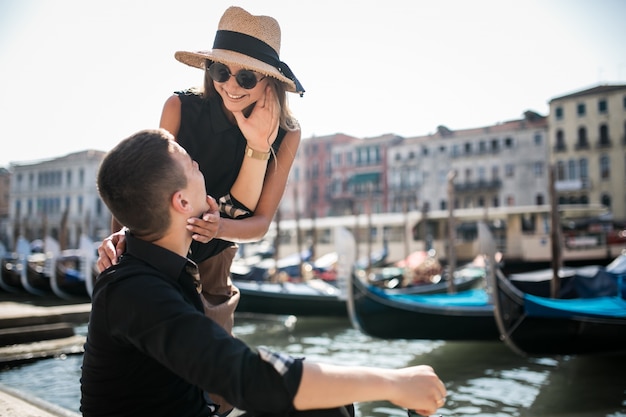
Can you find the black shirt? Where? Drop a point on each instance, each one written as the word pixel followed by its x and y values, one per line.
pixel 151 351
pixel 218 146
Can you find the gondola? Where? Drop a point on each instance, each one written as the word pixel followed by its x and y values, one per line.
pixel 531 325
pixel 12 266
pixel 465 315
pixel 69 278
pixel 312 297
pixel 36 280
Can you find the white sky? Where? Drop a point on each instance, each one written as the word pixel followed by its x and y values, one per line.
pixel 77 74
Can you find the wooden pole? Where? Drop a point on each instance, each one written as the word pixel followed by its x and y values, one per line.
pixel 451 233
pixel 555 237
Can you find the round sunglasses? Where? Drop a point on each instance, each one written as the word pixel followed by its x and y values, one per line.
pixel 245 78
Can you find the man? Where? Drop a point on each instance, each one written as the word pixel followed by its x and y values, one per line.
pixel 150 349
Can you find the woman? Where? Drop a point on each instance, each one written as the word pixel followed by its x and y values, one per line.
pixel 239 129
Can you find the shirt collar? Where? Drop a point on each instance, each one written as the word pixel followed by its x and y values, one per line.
pixel 162 259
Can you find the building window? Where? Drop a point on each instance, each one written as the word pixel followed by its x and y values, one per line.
pixel 495 172
pixel 604 136
pixel 582 142
pixel 605 167
pixel 509 170
pixel 560 170
pixel 558 113
pixel 584 168
pixel 571 170
pixel 315 170
pixel 560 141
pixel 481 173
pixel 602 107
pixel 539 199
pixel 580 109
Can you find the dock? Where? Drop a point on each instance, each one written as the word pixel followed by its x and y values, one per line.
pixel 30 332
pixel 36 329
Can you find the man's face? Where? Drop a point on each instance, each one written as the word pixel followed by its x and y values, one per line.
pixel 195 181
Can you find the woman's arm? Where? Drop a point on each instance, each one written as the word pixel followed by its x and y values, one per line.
pixel 255 227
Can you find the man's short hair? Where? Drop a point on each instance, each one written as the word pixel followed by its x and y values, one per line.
pixel 137 179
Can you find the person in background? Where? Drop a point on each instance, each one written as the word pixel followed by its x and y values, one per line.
pixel 151 350
pixel 240 130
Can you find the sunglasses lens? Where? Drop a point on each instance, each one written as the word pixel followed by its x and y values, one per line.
pixel 246 79
pixel 219 72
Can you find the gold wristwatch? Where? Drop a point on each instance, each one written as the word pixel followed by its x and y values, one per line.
pixel 261 156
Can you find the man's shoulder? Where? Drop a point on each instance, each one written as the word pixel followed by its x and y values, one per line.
pixel 129 270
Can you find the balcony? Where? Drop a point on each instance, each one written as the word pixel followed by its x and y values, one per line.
pixel 573 185
pixel 481 185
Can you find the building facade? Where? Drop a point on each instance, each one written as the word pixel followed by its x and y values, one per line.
pixel 58 197
pixel 492 166
pixel 587 133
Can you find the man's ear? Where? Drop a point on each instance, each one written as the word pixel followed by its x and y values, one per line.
pixel 180 203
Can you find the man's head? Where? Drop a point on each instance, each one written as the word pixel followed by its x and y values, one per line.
pixel 144 177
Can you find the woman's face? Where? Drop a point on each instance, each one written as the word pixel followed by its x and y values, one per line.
pixel 235 97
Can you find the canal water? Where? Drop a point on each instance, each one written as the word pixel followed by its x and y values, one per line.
pixel 483 379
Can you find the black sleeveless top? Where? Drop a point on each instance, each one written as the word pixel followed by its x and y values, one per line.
pixel 218 146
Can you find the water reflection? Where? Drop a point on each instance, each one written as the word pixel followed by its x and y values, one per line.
pixel 483 379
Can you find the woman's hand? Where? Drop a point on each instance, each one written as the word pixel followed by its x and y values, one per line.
pixel 260 128
pixel 110 250
pixel 207 226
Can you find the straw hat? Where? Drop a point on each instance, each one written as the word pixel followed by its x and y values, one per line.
pixel 248 41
